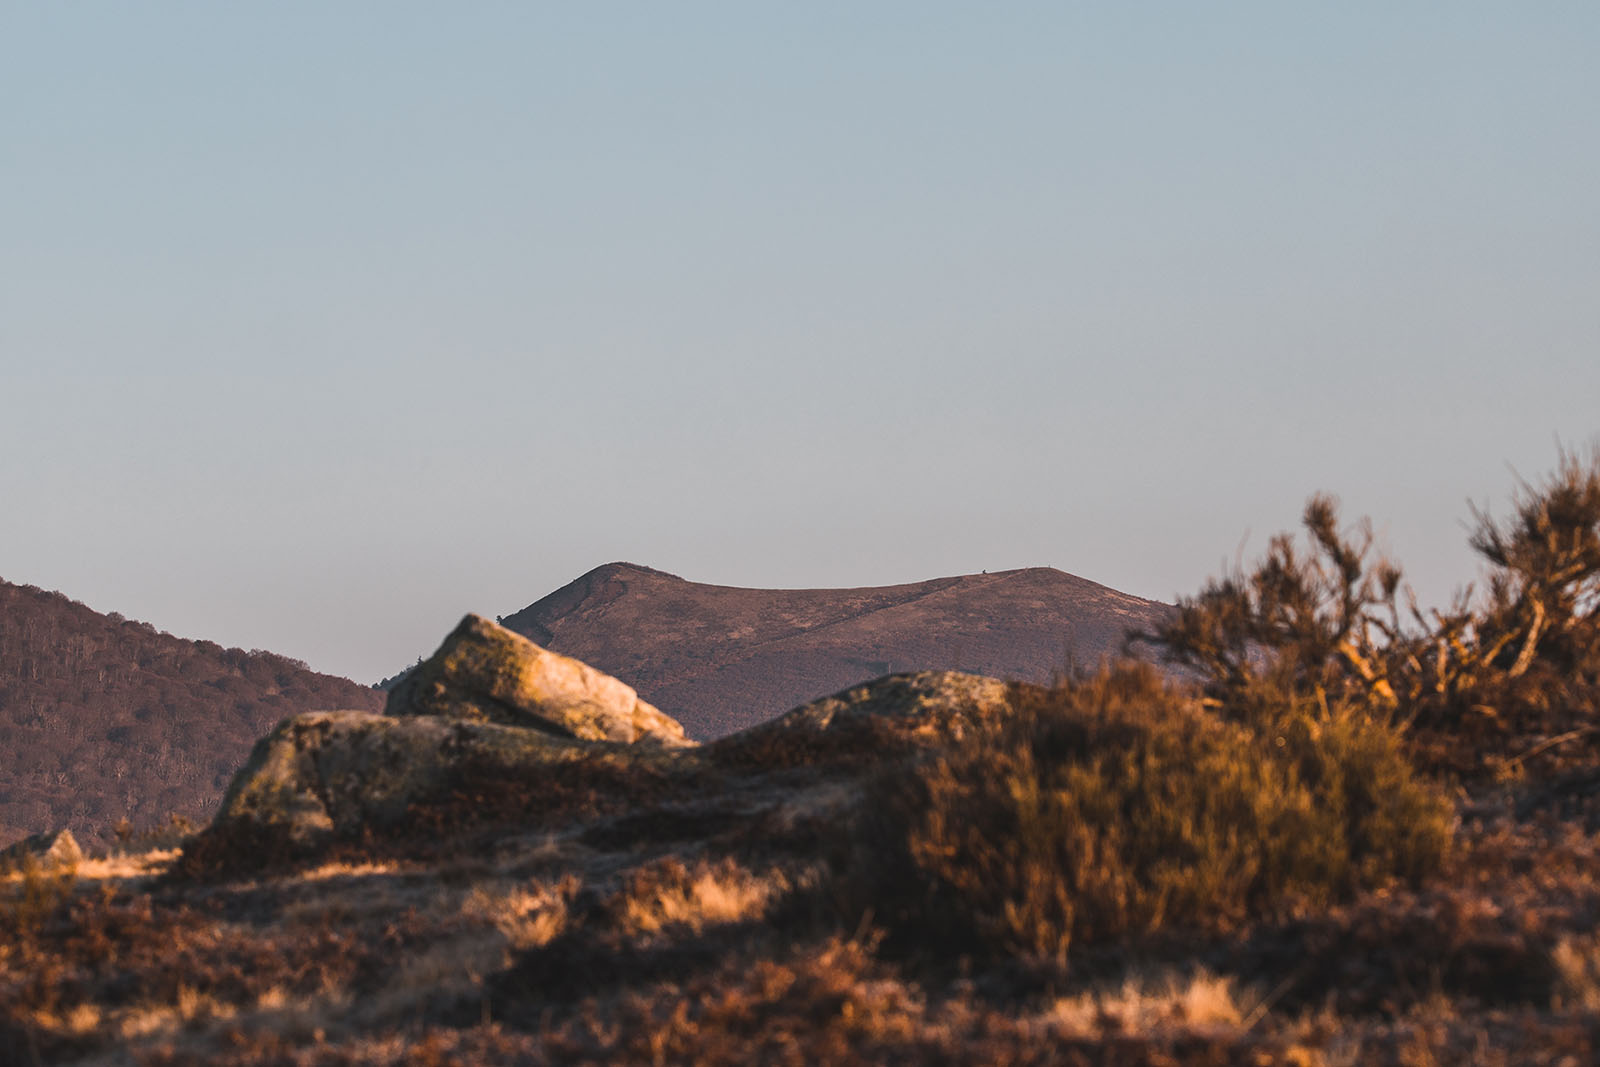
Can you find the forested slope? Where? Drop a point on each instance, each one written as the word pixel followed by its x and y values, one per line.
pixel 103 718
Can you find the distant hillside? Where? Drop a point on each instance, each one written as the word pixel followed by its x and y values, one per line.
pixel 102 718
pixel 719 658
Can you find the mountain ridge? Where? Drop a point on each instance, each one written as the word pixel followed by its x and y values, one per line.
pixel 721 658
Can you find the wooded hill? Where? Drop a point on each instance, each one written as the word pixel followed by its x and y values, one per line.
pixel 103 718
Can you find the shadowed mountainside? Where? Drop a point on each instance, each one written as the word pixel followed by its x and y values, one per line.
pixel 104 718
pixel 720 659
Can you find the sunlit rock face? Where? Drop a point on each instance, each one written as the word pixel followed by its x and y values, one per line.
pixel 488 704
pixel 486 673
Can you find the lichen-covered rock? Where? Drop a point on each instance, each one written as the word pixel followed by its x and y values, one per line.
pixel 486 673
pixel 489 708
pixel 354 775
pixel 865 721
pixel 51 851
pixel 332 772
pixel 946 701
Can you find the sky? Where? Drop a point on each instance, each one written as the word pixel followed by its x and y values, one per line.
pixel 322 324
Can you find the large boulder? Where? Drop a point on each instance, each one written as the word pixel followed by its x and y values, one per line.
pixel 870 722
pixel 485 673
pixel 333 772
pixel 490 705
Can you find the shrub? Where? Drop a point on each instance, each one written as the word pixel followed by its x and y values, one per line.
pixel 1494 680
pixel 31 893
pixel 1119 805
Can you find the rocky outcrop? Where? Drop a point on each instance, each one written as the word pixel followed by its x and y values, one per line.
pixel 334 772
pixel 52 852
pixel 492 716
pixel 870 722
pixel 948 703
pixel 489 703
pixel 486 673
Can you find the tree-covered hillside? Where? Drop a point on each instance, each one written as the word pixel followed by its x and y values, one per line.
pixel 103 718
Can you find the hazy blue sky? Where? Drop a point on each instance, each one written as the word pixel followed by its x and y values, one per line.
pixel 322 323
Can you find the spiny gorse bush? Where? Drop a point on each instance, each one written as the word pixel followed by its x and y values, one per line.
pixel 1120 805
pixel 1493 679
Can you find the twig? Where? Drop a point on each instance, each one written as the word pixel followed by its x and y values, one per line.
pixel 1571 735
pixel 1265 1004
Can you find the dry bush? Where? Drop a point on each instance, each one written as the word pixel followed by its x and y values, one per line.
pixel 31 893
pixel 1118 806
pixel 1308 619
pixel 1577 965
pixel 528 915
pixel 239 847
pixel 837 1002
pixel 170 833
pixel 1488 685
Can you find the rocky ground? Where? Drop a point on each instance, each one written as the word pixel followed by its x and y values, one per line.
pixel 547 872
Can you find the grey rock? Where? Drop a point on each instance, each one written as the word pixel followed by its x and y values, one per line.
pixel 486 673
pixel 333 772
pixel 897 711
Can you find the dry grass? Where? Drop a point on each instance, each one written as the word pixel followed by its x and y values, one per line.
pixel 127 867
pixel 679 957
pixel 672 894
pixel 1151 1006
pixel 526 915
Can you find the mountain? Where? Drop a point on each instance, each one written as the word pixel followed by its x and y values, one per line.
pixel 719 658
pixel 103 718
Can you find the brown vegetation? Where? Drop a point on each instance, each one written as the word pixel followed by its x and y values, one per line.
pixel 103 719
pixel 1116 871
pixel 1117 806
pixel 1502 683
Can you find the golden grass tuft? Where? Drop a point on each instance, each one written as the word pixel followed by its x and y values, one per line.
pixel 673 894
pixel 527 916
pixel 1149 1006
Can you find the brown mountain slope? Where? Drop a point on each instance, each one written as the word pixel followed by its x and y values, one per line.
pixel 102 718
pixel 719 658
